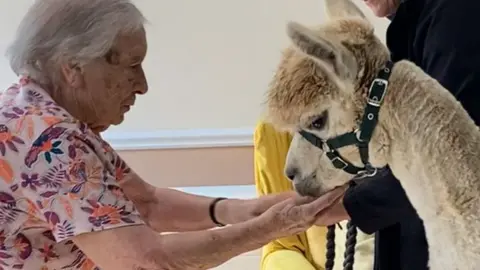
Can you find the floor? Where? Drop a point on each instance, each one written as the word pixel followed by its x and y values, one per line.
pixel 247 261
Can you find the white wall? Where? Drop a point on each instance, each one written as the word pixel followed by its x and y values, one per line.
pixel 11 13
pixel 209 62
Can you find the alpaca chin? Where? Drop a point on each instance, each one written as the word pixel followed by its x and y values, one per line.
pixel 306 188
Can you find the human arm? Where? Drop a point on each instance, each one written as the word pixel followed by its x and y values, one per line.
pixel 270 150
pixel 138 247
pixel 79 199
pixel 190 212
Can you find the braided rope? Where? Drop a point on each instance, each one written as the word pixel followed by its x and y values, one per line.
pixel 330 248
pixel 350 243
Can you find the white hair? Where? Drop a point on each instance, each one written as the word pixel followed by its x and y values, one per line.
pixel 77 31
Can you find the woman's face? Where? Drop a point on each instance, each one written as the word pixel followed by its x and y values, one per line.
pixel 382 8
pixel 105 89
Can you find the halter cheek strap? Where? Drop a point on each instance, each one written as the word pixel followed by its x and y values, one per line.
pixel 360 137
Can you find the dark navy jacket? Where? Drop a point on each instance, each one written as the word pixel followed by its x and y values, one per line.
pixel 440 36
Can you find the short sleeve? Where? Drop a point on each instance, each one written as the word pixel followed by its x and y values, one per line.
pixel 73 179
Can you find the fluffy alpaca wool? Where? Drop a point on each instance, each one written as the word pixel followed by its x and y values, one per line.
pixel 424 134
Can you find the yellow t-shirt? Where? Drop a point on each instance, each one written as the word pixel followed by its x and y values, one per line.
pixel 305 251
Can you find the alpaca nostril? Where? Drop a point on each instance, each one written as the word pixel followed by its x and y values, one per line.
pixel 291 173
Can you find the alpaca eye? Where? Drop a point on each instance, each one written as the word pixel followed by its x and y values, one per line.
pixel 320 122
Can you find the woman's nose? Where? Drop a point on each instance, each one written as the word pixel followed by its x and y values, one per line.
pixel 142 88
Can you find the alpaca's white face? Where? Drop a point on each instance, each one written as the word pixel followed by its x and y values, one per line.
pixel 319 87
pixel 307 166
pixel 311 171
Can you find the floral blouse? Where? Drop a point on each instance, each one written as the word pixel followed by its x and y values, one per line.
pixel 57 180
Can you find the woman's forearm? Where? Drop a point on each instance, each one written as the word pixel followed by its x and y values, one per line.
pixel 168 210
pixel 185 212
pixel 192 211
pixel 208 249
pixel 132 247
pixel 139 247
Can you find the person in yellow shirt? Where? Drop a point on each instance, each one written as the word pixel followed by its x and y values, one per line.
pixel 306 251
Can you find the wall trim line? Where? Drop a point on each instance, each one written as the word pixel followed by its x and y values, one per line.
pixel 178 139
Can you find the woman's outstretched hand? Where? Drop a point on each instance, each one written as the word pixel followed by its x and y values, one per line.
pixel 328 207
pixel 297 214
pixel 333 214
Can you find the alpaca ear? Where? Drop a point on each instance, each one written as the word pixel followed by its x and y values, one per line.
pixel 343 8
pixel 324 51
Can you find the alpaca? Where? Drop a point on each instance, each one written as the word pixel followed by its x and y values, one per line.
pixel 426 137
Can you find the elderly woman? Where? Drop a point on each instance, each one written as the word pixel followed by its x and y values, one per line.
pixel 68 201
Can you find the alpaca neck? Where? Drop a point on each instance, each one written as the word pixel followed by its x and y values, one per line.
pixel 434 154
pixel 431 134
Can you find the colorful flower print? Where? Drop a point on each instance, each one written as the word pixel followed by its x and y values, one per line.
pixel 8 140
pixel 58 182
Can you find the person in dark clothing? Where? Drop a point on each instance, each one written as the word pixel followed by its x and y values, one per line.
pixel 435 35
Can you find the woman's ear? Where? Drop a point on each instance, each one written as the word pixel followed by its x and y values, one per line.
pixel 73 75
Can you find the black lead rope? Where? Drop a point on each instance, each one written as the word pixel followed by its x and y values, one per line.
pixel 330 248
pixel 361 138
pixel 351 242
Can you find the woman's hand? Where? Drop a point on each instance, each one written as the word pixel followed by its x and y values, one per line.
pixel 234 211
pixel 297 214
pixel 333 214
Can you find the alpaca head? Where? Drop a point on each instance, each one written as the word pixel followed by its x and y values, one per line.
pixel 320 87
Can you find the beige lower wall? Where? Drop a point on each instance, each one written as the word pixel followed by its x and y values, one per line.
pixel 193 167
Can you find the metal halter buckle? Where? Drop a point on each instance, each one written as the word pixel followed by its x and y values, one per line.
pixel 358 133
pixel 345 164
pixel 369 171
pixel 374 101
pixel 325 147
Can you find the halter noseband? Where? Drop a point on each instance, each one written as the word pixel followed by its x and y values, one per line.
pixel 360 137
